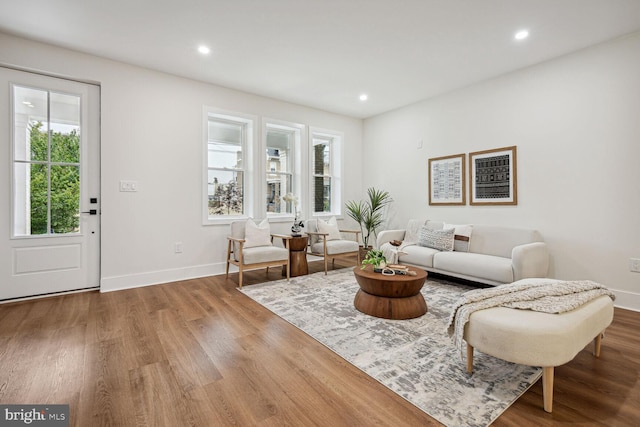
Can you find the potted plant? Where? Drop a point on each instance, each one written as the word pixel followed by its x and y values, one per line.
pixel 369 214
pixel 375 258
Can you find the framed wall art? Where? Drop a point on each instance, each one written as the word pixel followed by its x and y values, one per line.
pixel 447 180
pixel 493 177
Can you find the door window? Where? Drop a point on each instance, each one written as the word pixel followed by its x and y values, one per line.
pixel 46 162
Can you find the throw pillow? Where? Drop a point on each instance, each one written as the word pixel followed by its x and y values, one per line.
pixel 413 227
pixel 462 236
pixel 257 235
pixel 329 227
pixel 441 240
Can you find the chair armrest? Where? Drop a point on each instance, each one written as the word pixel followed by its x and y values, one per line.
pixel 530 260
pixel 235 239
pixel 282 236
pixel 389 235
pixel 355 232
pixel 315 233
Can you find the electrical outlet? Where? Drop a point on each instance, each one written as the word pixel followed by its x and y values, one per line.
pixel 128 186
pixel 178 247
pixel 634 265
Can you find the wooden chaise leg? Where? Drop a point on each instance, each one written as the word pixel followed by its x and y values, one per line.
pixel 598 344
pixel 469 358
pixel 547 387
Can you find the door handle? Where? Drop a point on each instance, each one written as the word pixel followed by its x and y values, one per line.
pixel 91 212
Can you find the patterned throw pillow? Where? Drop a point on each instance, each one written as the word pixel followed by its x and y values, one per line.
pixel 441 240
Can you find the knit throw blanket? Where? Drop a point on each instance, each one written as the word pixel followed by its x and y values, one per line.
pixel 546 297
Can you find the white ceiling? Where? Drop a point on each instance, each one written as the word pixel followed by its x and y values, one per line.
pixel 325 53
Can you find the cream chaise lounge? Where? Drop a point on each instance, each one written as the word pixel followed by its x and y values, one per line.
pixel 538 339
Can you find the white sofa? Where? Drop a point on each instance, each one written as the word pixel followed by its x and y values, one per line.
pixel 496 254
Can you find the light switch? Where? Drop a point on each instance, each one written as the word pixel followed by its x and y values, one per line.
pixel 128 186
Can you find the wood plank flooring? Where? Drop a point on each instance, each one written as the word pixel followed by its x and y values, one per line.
pixel 199 353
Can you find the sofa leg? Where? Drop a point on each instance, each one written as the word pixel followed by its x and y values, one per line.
pixel 469 358
pixel 547 388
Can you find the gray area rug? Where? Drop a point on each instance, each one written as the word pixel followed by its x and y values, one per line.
pixel 415 358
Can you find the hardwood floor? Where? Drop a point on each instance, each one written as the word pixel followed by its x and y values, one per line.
pixel 200 353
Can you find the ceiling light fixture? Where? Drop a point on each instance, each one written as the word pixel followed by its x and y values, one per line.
pixel 363 97
pixel 203 49
pixel 521 35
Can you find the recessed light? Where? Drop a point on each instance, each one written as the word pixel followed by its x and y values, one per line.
pixel 521 35
pixel 364 97
pixel 203 49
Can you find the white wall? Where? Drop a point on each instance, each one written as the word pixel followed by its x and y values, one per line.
pixel 576 123
pixel 151 132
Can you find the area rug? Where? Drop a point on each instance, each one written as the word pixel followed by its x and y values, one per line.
pixel 415 358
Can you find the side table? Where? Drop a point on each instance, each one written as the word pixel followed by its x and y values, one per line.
pixel 297 257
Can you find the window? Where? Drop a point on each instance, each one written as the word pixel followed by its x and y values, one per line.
pixel 250 173
pixel 229 139
pixel 46 162
pixel 326 155
pixel 282 150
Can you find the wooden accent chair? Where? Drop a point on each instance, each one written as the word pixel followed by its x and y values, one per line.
pixel 248 255
pixel 331 244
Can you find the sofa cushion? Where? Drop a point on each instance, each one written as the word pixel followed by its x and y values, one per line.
pixel 417 255
pixel 437 239
pixel 476 265
pixel 500 241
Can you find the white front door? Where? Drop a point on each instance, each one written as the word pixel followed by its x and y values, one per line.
pixel 49 185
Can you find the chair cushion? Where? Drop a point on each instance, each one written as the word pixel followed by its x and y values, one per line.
pixel 257 235
pixel 330 227
pixel 237 232
pixel 335 247
pixel 260 254
pixel 311 226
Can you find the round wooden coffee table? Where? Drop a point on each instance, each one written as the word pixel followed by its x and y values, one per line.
pixel 390 297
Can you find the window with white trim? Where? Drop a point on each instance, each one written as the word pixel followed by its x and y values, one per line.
pixel 228 159
pixel 282 161
pixel 326 170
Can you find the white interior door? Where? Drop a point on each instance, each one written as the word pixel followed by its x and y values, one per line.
pixel 49 186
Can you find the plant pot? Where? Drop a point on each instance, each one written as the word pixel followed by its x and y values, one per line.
pixel 364 251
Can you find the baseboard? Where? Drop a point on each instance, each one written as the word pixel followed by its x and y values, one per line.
pixel 138 280
pixel 624 299
pixel 627 300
